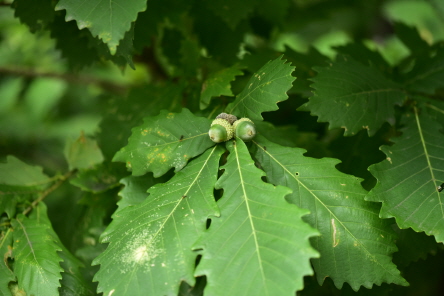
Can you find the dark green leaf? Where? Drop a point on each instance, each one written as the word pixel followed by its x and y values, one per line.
pixel 304 63
pixel 428 73
pixel 218 84
pixel 135 190
pixel 36 262
pixel 36 14
pixel 411 38
pixel 355 245
pixel 232 11
pixel 124 113
pixel 82 153
pixel 362 54
pixel 100 178
pixel 6 274
pixel 259 245
pixel 354 97
pixel 150 243
pixel 413 246
pixel 408 178
pixel 266 87
pixel 107 20
pixel 165 141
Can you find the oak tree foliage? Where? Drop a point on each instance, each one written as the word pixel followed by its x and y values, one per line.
pixel 110 184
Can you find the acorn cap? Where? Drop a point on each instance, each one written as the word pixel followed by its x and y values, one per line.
pixel 245 129
pixel 230 117
pixel 220 130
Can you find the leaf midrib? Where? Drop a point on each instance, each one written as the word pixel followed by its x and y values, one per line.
pixel 330 212
pixel 426 153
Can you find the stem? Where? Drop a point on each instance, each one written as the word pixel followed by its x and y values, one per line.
pixel 49 190
pixel 71 78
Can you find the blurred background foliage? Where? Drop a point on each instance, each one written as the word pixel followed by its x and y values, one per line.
pixel 52 91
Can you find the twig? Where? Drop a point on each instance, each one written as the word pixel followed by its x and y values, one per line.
pixel 72 78
pixel 49 190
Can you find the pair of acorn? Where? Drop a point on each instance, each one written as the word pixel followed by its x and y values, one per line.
pixel 227 126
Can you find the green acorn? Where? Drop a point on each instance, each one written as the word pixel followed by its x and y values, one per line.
pixel 230 117
pixel 220 130
pixel 244 128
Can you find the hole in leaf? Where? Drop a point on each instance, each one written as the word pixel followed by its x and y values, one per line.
pixel 208 223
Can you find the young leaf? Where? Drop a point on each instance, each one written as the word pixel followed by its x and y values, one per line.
pixel 353 96
pixel 265 88
pixel 355 245
pixel 6 275
pixel 428 73
pixel 82 153
pixel 165 141
pixel 107 20
pixel 259 245
pixel 218 84
pixel 150 243
pixel 408 178
pixel 36 262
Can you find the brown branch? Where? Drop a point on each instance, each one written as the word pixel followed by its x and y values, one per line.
pixel 49 190
pixel 71 78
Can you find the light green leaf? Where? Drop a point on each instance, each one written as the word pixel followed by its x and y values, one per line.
pixel 265 88
pixel 36 262
pixel 6 275
pixel 408 178
pixel 149 251
pixel 19 181
pixel 259 245
pixel 109 20
pixel 355 244
pixel 82 153
pixel 352 96
pixel 17 173
pixel 218 84
pixel 165 141
pixel 72 282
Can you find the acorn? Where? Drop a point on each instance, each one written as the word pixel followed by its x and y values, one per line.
pixel 230 117
pixel 245 129
pixel 221 130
